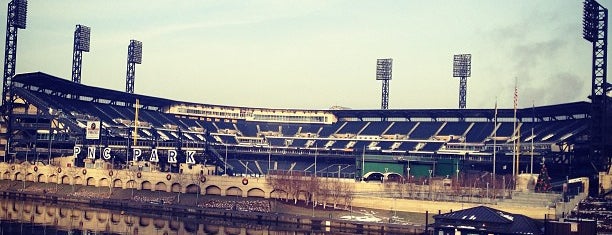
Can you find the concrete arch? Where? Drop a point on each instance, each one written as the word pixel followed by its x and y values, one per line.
pixel 87 215
pixel 213 190
pixel 30 177
pixel 131 184
pixel 145 185
pixel 65 179
pixel 117 183
pixel 192 188
pixel 159 223
pixel 256 192
pixel 91 181
pixel 279 194
pixel 40 178
pixel 115 219
pixel 6 175
pixel 233 191
pixel 63 212
pixel 176 188
pixel 161 186
pixel 17 176
pixel 144 222
pixel 191 227
pixel 78 180
pixel 52 179
pixel 174 225
pixel 104 182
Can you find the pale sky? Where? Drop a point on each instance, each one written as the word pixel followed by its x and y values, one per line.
pixel 317 54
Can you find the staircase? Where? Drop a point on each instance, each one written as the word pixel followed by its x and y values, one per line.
pixel 220 160
pixel 531 199
pixel 42 105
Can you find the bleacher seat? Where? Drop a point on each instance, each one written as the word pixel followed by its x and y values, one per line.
pixel 375 128
pixel 407 146
pixel 385 145
pixel 400 128
pixel 454 128
pixel 247 129
pixel 479 132
pixel 432 146
pixel 328 130
pixel 351 128
pixel 425 130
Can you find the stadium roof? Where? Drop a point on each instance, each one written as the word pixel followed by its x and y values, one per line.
pixel 59 86
pixel 56 84
pixel 552 111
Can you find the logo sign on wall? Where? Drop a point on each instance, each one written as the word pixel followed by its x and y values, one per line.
pixel 92 130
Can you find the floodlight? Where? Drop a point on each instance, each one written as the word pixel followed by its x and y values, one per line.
pixel 383 69
pixel 462 65
pixel 135 52
pixel 20 13
pixel 82 38
pixel 589 20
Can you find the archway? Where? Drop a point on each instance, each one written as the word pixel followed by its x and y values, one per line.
pixel 193 189
pixel 104 182
pixel 161 186
pixel 40 178
pixel 131 184
pixel 233 191
pixel 256 192
pixel 176 188
pixel 6 176
pixel 91 181
pixel 18 176
pixel 78 180
pixel 117 183
pixel 52 179
pixel 30 177
pixel 146 185
pixel 213 190
pixel 65 179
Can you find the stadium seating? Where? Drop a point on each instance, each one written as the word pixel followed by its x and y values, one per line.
pixel 375 128
pixel 400 128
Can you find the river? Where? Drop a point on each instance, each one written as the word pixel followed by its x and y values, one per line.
pixel 39 217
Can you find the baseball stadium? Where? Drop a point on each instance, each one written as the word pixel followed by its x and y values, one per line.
pixel 531 160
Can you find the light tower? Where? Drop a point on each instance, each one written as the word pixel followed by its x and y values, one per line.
pixel 595 30
pixel 462 68
pixel 15 19
pixel 81 44
pixel 383 72
pixel 134 57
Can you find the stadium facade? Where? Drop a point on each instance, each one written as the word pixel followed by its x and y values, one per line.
pixel 53 117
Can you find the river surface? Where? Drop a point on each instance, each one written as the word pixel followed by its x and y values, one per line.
pixel 19 216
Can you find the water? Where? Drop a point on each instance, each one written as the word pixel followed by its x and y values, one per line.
pixel 36 217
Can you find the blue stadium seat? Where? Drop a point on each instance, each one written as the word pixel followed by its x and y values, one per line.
pixel 352 128
pixel 425 130
pixel 479 132
pixel 454 128
pixel 432 146
pixel 407 146
pixel 375 128
pixel 385 145
pixel 400 128
pixel 328 130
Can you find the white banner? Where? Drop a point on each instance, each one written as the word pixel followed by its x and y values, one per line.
pixel 92 130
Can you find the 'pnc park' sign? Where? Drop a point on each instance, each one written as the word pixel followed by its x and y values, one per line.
pixel 137 154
